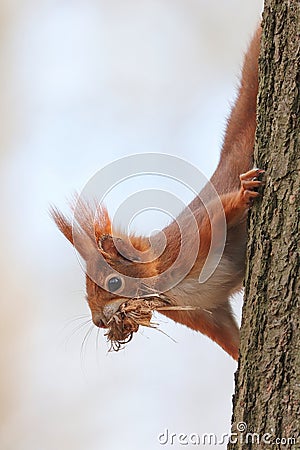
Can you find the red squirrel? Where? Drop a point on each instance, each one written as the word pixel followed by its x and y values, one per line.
pixel 235 182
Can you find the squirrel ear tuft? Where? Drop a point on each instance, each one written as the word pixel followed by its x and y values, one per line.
pixel 102 224
pixel 77 234
pixel 62 223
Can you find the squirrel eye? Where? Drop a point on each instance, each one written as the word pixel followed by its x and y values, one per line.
pixel 114 283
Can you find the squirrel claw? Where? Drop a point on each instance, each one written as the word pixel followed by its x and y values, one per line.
pixel 249 183
pixel 253 173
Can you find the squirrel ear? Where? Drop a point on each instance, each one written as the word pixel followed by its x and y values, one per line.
pixel 116 247
pixel 127 250
pixel 112 247
pixel 107 247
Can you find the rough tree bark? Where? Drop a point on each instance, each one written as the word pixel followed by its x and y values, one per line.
pixel 267 393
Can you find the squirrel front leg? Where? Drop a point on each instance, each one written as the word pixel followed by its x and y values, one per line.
pixel 236 204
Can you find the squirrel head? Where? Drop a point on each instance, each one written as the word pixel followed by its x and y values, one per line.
pixel 117 266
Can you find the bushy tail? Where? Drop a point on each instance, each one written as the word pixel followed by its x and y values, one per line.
pixel 237 150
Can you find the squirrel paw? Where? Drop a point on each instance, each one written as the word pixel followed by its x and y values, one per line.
pixel 249 182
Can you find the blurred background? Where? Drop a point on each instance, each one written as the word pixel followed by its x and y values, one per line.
pixel 83 83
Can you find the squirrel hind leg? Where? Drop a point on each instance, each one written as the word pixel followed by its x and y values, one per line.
pixel 218 324
pixel 223 329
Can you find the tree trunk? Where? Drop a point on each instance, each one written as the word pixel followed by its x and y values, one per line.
pixel 267 393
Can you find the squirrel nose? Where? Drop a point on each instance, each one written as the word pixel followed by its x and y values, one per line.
pixel 98 321
pixel 112 307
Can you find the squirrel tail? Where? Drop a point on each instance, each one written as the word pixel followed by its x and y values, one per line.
pixel 238 146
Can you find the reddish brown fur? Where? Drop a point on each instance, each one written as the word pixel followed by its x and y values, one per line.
pixel 212 315
pixel 236 158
